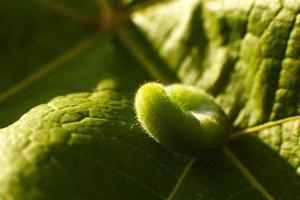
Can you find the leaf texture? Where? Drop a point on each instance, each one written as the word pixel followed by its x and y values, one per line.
pixel 86 143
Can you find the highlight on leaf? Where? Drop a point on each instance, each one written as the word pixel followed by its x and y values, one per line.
pixel 182 118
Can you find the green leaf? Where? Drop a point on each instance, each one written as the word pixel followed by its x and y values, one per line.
pixel 76 65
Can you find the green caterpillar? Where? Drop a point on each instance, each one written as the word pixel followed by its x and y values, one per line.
pixel 183 118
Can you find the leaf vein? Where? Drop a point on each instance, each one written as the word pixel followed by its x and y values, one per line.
pixel 139 55
pixel 69 12
pixel 44 70
pixel 256 129
pixel 186 169
pixel 254 182
pixel 122 173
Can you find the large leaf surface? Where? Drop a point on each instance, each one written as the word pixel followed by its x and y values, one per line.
pixel 88 145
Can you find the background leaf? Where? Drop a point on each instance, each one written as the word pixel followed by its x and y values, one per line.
pixel 88 145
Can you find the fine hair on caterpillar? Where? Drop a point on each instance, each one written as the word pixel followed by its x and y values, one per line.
pixel 182 118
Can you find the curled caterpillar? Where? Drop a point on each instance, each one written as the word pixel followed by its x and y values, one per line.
pixel 182 118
